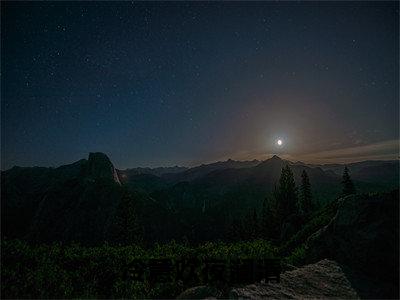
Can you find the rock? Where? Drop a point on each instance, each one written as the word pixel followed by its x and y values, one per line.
pixel 201 292
pixel 322 280
pixel 364 236
pixel 100 166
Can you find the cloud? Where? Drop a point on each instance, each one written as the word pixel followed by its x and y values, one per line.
pixel 385 150
pixel 381 150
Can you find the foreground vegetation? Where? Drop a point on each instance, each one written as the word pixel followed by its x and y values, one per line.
pixel 74 271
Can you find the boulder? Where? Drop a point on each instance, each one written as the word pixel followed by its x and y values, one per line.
pixel 201 292
pixel 364 236
pixel 322 280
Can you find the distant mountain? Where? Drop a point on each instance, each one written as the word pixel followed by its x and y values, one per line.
pixel 267 173
pixel 46 204
pixel 144 182
pixel 230 193
pixel 385 173
pixel 202 170
pixel 240 189
pixel 357 166
pixel 125 174
pixel 99 166
pixel 24 184
pixel 79 201
pixel 148 179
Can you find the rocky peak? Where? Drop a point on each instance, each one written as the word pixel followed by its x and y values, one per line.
pixel 274 161
pixel 275 157
pixel 100 166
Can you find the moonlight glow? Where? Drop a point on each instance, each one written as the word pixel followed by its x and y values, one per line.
pixel 159 86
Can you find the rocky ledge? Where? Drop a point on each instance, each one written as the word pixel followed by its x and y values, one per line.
pixel 322 280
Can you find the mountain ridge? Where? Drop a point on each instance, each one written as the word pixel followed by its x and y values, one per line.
pixel 195 201
pixel 99 165
pixel 177 168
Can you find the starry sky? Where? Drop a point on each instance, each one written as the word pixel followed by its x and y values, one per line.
pixel 168 83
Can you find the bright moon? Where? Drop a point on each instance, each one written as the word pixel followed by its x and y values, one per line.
pixel 279 142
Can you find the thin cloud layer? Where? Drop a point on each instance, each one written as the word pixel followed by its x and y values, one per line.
pixel 382 150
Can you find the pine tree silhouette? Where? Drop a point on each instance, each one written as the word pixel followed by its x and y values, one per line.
pixel 268 221
pixel 348 186
pixel 255 227
pixel 264 219
pixel 126 228
pixel 286 195
pixel 305 194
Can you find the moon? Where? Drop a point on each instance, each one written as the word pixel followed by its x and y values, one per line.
pixel 279 142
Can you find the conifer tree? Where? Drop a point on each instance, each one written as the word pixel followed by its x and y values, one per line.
pixel 267 222
pixel 264 219
pixel 348 186
pixel 254 225
pixel 126 228
pixel 236 230
pixel 286 195
pixel 305 194
pixel 250 224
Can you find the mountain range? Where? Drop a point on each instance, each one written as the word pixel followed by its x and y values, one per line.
pixel 79 201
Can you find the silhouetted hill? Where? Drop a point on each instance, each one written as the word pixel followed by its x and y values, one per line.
pixel 220 176
pixel 246 186
pixel 198 203
pixel 200 171
pixel 383 172
pixel 144 182
pixel 45 204
pixel 128 173
pixel 265 174
pixel 99 166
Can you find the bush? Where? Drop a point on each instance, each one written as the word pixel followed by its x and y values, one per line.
pixel 74 271
pixel 297 257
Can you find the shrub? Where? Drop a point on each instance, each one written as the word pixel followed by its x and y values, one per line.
pixel 73 271
pixel 297 257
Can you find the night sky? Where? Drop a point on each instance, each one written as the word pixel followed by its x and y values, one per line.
pixel 164 83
